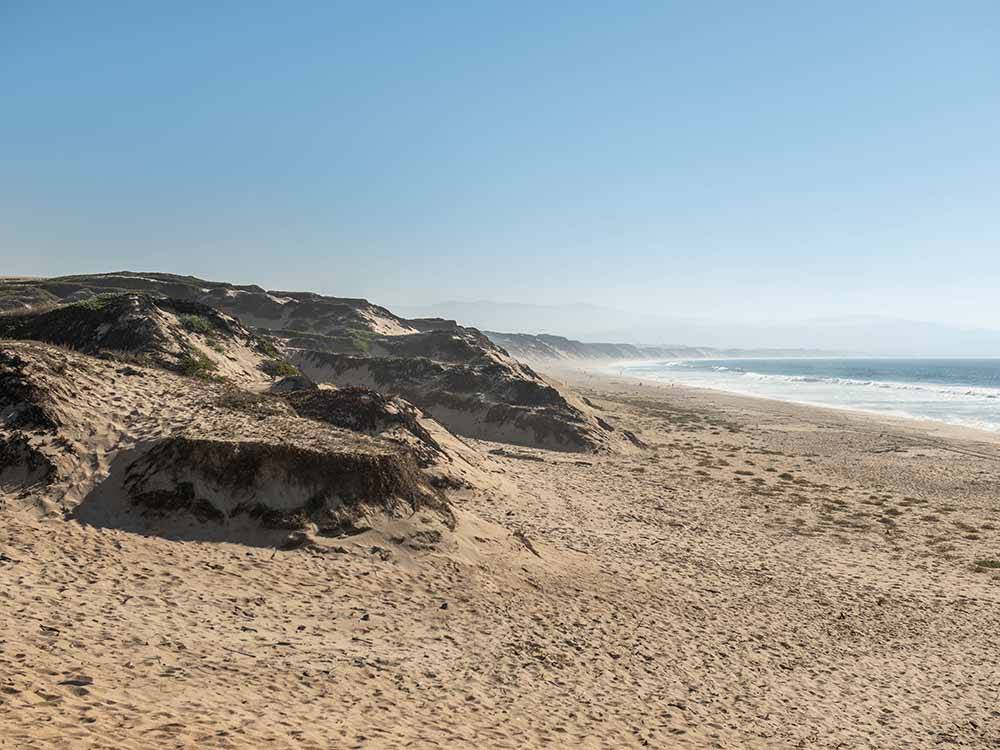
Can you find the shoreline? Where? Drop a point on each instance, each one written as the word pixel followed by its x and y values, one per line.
pixel 592 375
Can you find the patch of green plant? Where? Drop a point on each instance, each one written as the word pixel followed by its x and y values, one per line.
pixel 196 323
pixel 268 349
pixel 279 368
pixel 347 341
pixel 95 303
pixel 197 365
pixel 254 403
pixel 988 564
pixel 143 359
pixel 362 341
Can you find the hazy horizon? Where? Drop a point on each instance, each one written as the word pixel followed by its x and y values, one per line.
pixel 782 164
pixel 855 334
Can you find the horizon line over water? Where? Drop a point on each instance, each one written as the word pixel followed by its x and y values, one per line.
pixel 963 392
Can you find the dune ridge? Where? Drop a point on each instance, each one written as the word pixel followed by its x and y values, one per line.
pixel 454 373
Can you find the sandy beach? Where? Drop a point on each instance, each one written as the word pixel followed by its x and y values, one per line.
pixel 764 575
pixel 500 376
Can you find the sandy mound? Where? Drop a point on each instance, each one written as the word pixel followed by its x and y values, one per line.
pixel 491 398
pixel 22 465
pixel 182 336
pixel 126 446
pixel 287 484
pixel 22 403
pixel 329 484
pixel 446 458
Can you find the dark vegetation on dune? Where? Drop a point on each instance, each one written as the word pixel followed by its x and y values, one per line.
pixel 356 409
pixel 23 405
pixel 317 313
pixel 141 328
pixel 223 479
pixel 21 464
pixel 501 405
pixel 361 410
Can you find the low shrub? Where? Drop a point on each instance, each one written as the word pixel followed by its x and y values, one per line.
pixel 197 365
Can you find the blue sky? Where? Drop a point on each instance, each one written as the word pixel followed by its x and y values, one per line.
pixel 747 161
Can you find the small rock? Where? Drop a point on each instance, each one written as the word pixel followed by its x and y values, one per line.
pixel 78 681
pixel 292 383
pixel 296 540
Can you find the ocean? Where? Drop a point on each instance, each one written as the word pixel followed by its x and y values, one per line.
pixel 957 391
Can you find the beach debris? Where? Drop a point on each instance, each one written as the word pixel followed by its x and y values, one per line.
pixel 523 539
pixel 80 681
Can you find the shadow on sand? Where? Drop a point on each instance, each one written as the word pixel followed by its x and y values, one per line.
pixel 109 506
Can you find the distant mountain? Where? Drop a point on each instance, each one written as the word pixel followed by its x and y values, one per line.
pixel 577 320
pixel 545 347
pixel 859 335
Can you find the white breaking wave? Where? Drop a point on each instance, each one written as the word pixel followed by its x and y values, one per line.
pixel 967 405
pixel 947 390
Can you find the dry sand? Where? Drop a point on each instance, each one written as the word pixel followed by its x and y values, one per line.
pixel 765 576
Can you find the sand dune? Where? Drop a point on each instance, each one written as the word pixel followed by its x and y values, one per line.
pixel 453 373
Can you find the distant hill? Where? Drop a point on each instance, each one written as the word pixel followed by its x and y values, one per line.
pixel 863 335
pixel 577 320
pixel 545 347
